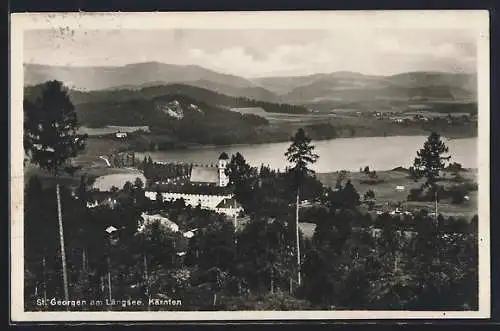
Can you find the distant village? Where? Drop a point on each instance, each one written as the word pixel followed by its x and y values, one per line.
pixel 411 116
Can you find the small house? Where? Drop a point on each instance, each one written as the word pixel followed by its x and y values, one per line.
pixel 229 207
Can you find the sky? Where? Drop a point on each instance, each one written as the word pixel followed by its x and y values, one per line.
pixel 258 53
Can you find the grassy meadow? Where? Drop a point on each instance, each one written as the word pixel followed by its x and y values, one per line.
pixel 91 173
pixel 387 196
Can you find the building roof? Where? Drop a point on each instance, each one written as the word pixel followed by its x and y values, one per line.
pixel 224 156
pixel 190 188
pixel 201 174
pixel 228 203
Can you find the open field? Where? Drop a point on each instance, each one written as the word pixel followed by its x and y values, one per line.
pixel 106 182
pixel 308 118
pixel 348 126
pixel 48 180
pixel 307 229
pixel 346 123
pixel 250 110
pixel 112 129
pixel 387 195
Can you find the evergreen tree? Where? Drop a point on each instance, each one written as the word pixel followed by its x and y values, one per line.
pixel 52 139
pixel 350 197
pixel 138 184
pixel 301 155
pixel 241 176
pixel 33 190
pixel 430 160
pixel 83 191
pixel 159 199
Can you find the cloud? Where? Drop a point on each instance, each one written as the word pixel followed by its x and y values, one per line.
pixel 261 52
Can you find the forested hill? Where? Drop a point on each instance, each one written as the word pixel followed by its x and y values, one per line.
pixel 173 119
pixel 196 93
pixel 161 112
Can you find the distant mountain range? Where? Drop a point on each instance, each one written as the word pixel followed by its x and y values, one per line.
pixel 356 87
pixel 328 88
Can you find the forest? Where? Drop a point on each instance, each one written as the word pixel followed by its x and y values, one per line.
pixel 198 93
pixel 351 262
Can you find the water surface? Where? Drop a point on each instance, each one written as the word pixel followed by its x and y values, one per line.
pixel 379 153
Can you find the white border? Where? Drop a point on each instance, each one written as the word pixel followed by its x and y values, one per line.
pixel 476 20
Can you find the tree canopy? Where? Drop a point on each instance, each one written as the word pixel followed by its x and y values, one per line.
pixel 301 155
pixel 51 128
pixel 431 159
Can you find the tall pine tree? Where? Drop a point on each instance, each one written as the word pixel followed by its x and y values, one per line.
pixel 431 160
pixel 51 139
pixel 301 155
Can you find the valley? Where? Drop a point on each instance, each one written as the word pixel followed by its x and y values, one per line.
pixel 186 106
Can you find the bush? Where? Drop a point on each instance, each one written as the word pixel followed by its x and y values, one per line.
pixel 370 194
pixel 372 181
pixel 428 195
pixel 255 120
pixel 458 194
pixel 314 214
pixel 415 194
pixel 470 186
pixel 457 178
pixel 454 167
pixel 276 301
pixel 459 225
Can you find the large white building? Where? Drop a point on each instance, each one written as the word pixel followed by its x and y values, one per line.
pixel 206 186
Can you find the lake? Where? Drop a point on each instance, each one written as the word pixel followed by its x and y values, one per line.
pixel 379 153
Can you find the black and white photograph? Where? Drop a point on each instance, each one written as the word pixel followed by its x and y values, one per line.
pixel 248 166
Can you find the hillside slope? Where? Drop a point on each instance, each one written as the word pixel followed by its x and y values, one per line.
pixel 197 93
pixel 172 119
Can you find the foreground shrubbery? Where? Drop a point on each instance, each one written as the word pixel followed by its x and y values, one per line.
pixel 457 193
pixel 351 262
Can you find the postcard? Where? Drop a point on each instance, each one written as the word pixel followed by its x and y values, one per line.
pixel 249 166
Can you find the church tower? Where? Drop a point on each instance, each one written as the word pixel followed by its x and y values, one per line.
pixel 223 161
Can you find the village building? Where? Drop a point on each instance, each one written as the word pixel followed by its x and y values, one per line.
pixel 203 185
pixel 101 199
pixel 121 135
pixel 229 207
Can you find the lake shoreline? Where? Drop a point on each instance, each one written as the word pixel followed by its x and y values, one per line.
pixel 348 172
pixel 378 153
pixel 136 141
pixel 256 144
